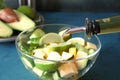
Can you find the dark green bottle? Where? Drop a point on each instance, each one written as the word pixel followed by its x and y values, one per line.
pixel 103 26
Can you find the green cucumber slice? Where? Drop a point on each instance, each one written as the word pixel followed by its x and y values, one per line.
pixel 77 40
pixel 28 62
pixel 37 71
pixel 38 33
pixel 47 76
pixel 60 47
pixel 49 66
pixel 67 56
pixel 81 64
pixel 56 76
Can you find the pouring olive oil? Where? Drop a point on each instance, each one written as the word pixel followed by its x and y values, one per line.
pixel 100 26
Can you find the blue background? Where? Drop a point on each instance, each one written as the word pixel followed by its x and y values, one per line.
pixel 72 12
pixel 107 66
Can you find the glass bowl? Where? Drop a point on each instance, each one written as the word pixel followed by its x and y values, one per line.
pixel 56 69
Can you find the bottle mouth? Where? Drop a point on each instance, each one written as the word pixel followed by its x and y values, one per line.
pixel 91 28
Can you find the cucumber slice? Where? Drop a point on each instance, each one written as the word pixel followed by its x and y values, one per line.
pixel 56 76
pixel 54 56
pixel 77 40
pixel 46 65
pixel 28 62
pixel 67 56
pixel 81 64
pixel 47 76
pixel 90 45
pixel 81 48
pixel 35 36
pixel 38 53
pixel 38 33
pixel 91 51
pixel 37 71
pixel 79 43
pixel 60 47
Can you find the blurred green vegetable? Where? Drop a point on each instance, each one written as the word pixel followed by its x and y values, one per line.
pixel 28 11
pixel 2 4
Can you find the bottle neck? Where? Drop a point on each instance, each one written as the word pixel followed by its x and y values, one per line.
pixel 103 26
pixel 92 27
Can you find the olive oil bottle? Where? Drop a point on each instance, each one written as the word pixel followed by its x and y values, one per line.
pixel 109 25
pixel 100 26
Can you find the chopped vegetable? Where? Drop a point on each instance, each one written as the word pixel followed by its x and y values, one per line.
pixel 68 70
pixel 54 54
